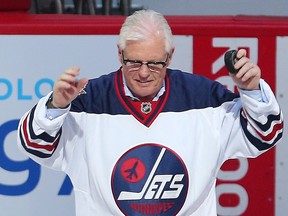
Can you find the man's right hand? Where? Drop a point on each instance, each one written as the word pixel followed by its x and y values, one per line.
pixel 67 88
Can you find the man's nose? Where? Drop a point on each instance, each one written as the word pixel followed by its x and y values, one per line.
pixel 144 70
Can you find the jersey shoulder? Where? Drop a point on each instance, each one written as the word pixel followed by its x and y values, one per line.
pixel 192 91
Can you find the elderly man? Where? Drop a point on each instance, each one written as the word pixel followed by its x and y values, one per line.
pixel 146 139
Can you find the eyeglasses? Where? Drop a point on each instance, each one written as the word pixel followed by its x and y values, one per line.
pixel 134 65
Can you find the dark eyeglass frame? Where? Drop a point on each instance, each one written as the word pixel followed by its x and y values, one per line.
pixel 148 63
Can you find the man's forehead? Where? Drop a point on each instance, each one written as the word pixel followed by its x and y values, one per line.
pixel 145 48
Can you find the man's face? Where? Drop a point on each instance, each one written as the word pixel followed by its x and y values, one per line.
pixel 142 81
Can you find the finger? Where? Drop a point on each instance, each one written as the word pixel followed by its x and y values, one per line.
pixel 64 89
pixel 241 53
pixel 241 62
pixel 81 83
pixel 254 71
pixel 70 74
pixel 73 71
pixel 67 78
pixel 244 64
pixel 249 71
pixel 61 84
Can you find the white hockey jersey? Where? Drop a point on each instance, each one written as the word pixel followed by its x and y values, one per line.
pixel 125 157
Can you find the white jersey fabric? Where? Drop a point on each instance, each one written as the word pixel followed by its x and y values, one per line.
pixel 125 157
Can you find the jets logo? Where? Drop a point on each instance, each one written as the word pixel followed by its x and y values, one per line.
pixel 150 179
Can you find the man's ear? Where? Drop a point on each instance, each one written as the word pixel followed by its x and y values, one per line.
pixel 170 56
pixel 119 54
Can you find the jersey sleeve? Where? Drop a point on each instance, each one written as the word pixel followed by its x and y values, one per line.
pixel 258 127
pixel 42 139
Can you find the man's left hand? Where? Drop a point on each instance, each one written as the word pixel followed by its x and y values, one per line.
pixel 249 74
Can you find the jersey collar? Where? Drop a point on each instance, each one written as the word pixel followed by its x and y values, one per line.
pixel 127 103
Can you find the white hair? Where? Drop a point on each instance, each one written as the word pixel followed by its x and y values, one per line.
pixel 144 24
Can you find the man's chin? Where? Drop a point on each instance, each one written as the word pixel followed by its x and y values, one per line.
pixel 144 96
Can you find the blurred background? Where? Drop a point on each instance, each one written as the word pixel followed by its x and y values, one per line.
pixel 34 50
pixel 167 7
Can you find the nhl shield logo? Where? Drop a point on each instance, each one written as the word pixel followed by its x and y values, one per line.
pixel 146 107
